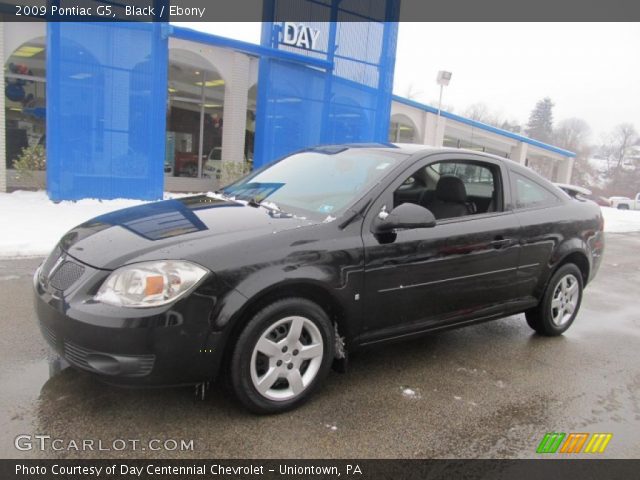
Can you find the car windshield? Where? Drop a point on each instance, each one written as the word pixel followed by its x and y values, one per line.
pixel 323 182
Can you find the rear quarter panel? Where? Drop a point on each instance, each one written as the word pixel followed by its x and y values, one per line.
pixel 549 235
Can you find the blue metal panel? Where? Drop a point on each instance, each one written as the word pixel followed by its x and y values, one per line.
pixel 106 110
pixel 300 105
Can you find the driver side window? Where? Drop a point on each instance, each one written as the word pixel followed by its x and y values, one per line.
pixel 453 188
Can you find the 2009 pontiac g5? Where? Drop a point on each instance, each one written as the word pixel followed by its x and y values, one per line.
pixel 327 250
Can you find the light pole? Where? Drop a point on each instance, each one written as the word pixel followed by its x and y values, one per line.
pixel 443 80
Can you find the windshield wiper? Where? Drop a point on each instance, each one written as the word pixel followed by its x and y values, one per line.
pixel 274 210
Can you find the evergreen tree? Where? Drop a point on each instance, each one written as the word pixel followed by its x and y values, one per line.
pixel 540 125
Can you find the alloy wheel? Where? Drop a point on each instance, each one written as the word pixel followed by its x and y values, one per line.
pixel 286 358
pixel 565 299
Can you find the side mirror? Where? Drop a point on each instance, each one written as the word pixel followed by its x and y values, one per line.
pixel 407 215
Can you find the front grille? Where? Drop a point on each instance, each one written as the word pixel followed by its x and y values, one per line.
pixel 134 365
pixel 66 275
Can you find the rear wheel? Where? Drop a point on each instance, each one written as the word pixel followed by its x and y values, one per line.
pixel 282 356
pixel 560 303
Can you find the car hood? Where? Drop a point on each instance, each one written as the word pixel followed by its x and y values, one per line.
pixel 171 229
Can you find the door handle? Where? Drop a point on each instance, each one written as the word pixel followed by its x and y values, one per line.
pixel 501 242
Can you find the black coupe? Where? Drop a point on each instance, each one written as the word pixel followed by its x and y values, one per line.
pixel 272 279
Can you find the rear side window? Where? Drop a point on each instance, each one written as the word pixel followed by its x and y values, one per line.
pixel 529 194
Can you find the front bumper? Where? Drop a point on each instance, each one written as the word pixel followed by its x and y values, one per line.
pixel 168 345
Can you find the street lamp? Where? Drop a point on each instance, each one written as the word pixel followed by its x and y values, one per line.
pixel 443 80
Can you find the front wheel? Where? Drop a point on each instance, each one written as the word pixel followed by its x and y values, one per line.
pixel 282 355
pixel 560 303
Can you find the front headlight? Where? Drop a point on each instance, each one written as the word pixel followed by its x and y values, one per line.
pixel 150 284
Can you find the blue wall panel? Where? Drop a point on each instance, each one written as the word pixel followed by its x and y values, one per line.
pixel 106 110
pixel 299 104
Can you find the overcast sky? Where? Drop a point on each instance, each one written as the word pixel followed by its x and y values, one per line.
pixel 590 70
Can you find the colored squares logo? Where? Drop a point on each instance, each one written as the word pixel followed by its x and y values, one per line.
pixel 598 443
pixel 574 443
pixel 550 443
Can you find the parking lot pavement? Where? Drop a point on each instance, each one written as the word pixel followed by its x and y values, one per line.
pixel 491 390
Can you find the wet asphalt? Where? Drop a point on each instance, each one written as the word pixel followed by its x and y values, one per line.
pixel 487 391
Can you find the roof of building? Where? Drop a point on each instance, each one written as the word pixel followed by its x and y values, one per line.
pixel 484 126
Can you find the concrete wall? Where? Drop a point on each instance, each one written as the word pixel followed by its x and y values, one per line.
pixel 235 109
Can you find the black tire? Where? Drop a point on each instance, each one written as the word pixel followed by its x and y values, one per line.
pixel 549 321
pixel 260 325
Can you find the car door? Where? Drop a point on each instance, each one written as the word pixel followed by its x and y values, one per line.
pixel 462 268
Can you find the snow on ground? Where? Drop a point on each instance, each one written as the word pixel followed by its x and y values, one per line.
pixel 621 221
pixel 31 224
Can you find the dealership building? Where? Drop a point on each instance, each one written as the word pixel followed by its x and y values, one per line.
pixel 132 110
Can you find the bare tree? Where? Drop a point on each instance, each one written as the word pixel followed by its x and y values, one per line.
pixel 478 112
pixel 623 172
pixel 411 92
pixel 622 139
pixel 481 113
pixel 573 134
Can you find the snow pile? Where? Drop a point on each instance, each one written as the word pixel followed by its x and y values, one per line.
pixel 621 221
pixel 410 393
pixel 31 224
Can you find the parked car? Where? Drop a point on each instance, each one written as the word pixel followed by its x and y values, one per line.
pixel 213 166
pixel 625 203
pixel 276 277
pixel 580 192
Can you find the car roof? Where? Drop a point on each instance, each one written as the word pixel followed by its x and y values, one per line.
pixel 407 148
pixel 411 149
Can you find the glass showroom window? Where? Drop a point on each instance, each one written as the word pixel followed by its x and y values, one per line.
pixel 194 117
pixel 25 105
pixel 250 133
pixel 402 130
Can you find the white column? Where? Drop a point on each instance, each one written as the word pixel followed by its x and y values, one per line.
pixel 519 153
pixel 565 169
pixel 3 149
pixel 434 127
pixel 234 121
